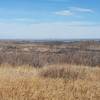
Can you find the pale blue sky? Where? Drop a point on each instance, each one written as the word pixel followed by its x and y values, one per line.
pixel 49 19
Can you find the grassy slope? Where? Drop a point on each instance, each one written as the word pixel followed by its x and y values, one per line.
pixel 56 82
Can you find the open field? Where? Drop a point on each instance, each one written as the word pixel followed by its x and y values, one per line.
pixel 56 82
pixel 51 70
pixel 41 53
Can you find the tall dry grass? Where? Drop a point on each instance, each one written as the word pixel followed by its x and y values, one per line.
pixel 56 82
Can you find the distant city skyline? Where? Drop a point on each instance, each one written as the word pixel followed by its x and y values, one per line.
pixel 49 19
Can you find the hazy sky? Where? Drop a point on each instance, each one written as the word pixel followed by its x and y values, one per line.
pixel 49 19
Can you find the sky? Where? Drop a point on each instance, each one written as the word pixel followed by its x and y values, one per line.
pixel 49 19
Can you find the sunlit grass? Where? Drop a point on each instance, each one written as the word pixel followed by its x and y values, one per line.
pixel 56 82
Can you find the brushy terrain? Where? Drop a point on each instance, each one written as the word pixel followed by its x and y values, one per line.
pixel 56 82
pixel 38 54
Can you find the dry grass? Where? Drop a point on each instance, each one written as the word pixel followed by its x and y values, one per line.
pixel 56 82
pixel 64 71
pixel 39 54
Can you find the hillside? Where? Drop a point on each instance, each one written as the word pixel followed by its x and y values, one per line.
pixel 56 82
pixel 43 53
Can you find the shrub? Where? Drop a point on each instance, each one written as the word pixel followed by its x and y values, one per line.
pixel 63 71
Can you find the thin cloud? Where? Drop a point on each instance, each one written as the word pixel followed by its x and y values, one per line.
pixel 79 9
pixel 64 13
pixel 73 11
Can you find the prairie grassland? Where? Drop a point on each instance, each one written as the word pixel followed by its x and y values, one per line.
pixel 39 54
pixel 56 82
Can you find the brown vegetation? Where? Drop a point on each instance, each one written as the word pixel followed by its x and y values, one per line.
pixel 39 54
pixel 49 70
pixel 56 82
